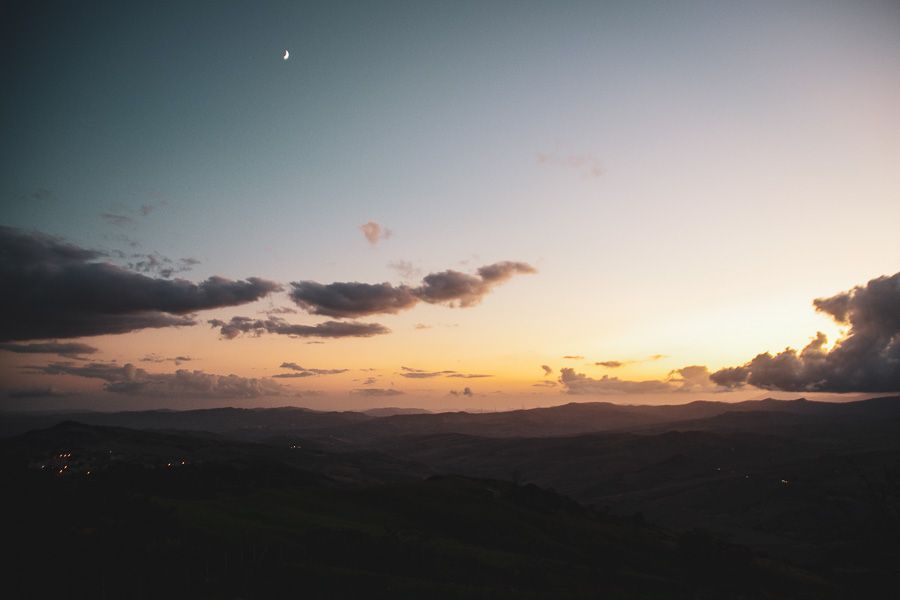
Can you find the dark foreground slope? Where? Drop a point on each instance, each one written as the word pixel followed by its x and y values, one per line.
pixel 110 513
pixel 819 488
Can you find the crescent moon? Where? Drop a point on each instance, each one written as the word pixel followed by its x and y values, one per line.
pixel 287 55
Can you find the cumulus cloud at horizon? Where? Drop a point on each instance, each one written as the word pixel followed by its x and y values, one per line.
pixel 865 359
pixel 131 380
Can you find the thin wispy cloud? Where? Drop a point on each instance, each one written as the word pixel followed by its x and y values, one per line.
pixel 411 373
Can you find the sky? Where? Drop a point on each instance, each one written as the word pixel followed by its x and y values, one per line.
pixel 430 202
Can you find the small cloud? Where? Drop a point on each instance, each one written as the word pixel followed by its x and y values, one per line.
pixel 374 232
pixel 376 392
pixel 421 326
pixel 573 357
pixel 405 269
pixel 156 358
pixel 545 383
pixel 411 373
pixel 279 310
pixel 610 364
pixel 295 367
pixel 547 369
pixel 466 392
pixel 117 219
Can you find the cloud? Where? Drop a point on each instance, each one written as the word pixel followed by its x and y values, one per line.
pixel 117 219
pixel 376 392
pixel 573 357
pixel 579 383
pixel 374 232
pixel 452 287
pixel 547 369
pixel 295 367
pixel 156 263
pixel 466 392
pixel 411 373
pixel 354 299
pixel 421 326
pixel 155 358
pixel 299 375
pixel 545 383
pixel 405 269
pixel 132 380
pixel 731 377
pixel 694 378
pixel 615 364
pixel 66 349
pixel 865 359
pixel 329 329
pixel 280 310
pixel 53 289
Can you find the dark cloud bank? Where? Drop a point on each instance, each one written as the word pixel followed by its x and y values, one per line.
pixel 67 349
pixel 53 289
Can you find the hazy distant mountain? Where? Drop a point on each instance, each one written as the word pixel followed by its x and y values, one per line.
pixel 568 419
pixel 390 411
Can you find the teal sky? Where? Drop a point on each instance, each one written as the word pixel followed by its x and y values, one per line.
pixel 685 176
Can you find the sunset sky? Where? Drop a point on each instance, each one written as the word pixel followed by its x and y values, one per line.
pixel 538 184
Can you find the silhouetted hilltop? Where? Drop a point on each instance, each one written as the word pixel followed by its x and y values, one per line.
pixel 568 419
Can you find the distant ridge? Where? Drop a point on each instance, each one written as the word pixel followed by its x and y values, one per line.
pixel 568 419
